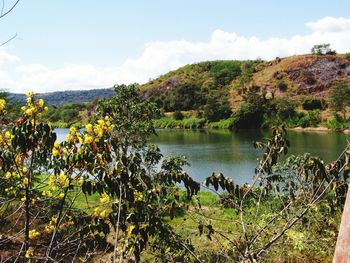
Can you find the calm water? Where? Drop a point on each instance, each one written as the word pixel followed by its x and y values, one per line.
pixel 233 154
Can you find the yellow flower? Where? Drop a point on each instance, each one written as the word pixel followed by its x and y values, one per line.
pixel 8 135
pixel 49 228
pixel 96 211
pixel 23 199
pixel 30 111
pixel 56 144
pixel 29 252
pixel 63 180
pixel 46 108
pixel 68 137
pixel 88 127
pixel 104 198
pixel 41 103
pixel 88 139
pixel 29 100
pixel 53 220
pixel 23 108
pixel 61 195
pixel 25 181
pixel 54 152
pixel 25 170
pixel 138 196
pixel 8 175
pixel 103 213
pixel 33 234
pixel 47 194
pixel 28 94
pixel 73 130
pixel 2 104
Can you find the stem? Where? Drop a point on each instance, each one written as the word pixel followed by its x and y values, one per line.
pixel 117 227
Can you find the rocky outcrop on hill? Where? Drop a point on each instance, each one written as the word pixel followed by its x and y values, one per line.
pixel 318 74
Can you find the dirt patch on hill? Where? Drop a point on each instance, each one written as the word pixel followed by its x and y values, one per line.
pixel 317 74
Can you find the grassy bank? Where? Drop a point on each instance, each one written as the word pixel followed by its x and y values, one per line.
pixel 312 241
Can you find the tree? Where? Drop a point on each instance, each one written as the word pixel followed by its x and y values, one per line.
pixel 339 97
pixel 42 180
pixel 322 49
pixel 281 196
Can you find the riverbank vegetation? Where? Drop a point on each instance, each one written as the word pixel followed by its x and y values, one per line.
pixel 106 193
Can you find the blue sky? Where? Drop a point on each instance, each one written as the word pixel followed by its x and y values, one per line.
pixel 93 44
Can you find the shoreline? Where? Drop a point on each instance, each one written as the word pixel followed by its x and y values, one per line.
pixel 317 129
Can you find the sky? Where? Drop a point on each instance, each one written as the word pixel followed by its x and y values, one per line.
pixel 72 45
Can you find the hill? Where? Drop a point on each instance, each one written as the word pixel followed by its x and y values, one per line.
pixel 59 98
pixel 293 91
pixel 293 77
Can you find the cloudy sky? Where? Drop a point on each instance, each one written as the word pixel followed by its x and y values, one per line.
pixel 67 45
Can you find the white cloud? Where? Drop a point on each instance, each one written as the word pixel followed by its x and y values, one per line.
pixel 330 24
pixel 160 57
pixel 7 57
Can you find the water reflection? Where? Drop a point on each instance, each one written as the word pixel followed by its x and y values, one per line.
pixel 233 153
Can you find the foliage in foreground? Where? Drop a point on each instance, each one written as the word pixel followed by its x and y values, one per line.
pixel 105 190
pixel 42 179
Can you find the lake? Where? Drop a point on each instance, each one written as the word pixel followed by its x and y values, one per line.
pixel 232 153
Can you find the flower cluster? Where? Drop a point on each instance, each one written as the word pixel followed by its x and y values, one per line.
pixel 2 106
pixel 32 106
pixel 33 234
pixel 94 133
pixel 51 226
pixel 62 181
pixel 104 198
pixel 29 252
pixel 56 150
pixel 99 213
pixel 6 138
pixel 74 136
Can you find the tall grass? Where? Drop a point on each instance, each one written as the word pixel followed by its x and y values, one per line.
pixel 187 123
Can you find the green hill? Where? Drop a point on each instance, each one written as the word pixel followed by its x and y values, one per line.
pixel 288 87
pixel 58 98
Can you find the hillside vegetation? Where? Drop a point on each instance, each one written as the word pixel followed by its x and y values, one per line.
pixel 293 91
pixel 297 91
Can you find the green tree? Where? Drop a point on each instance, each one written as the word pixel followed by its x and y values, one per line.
pixel 322 49
pixel 339 97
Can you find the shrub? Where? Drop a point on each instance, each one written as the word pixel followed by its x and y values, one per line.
pixel 282 86
pixel 312 119
pixel 339 97
pixel 285 108
pixel 314 104
pixel 338 123
pixel 225 71
pixel 247 116
pixel 215 111
pixel 178 115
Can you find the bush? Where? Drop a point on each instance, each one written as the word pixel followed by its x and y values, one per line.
pixel 314 104
pixel 282 86
pixel 178 115
pixel 225 71
pixel 247 116
pixel 214 111
pixel 312 119
pixel 285 108
pixel 338 123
